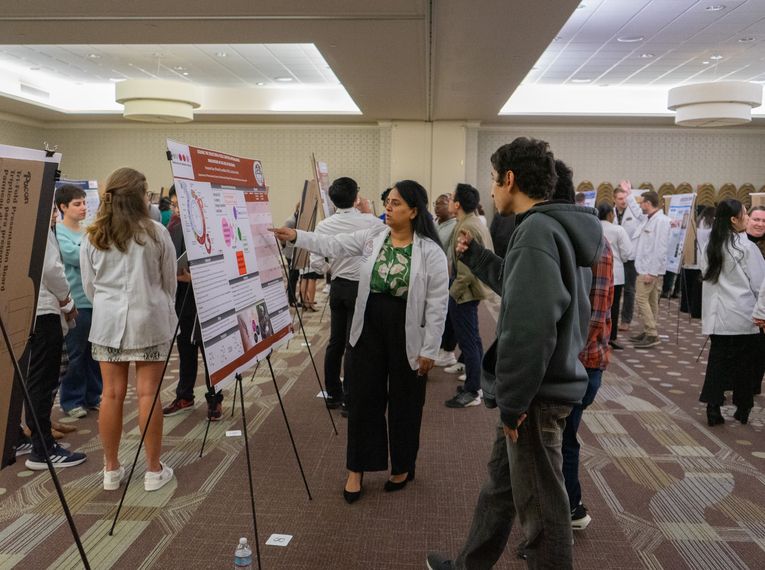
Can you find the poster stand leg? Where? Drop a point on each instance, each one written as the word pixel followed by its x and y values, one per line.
pixel 702 349
pixel 310 352
pixel 324 310
pixel 233 400
pixel 289 430
pixel 151 413
pixel 38 432
pixel 249 468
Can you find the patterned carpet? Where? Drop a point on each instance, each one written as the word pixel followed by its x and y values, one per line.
pixel 664 490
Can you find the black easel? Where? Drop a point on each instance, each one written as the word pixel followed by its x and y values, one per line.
pixel 151 412
pixel 249 467
pixel 213 394
pixel 38 432
pixel 305 337
pixel 286 421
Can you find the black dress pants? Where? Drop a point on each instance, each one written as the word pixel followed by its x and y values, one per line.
pixel 189 343
pixel 615 307
pixel 42 378
pixel 381 378
pixel 733 361
pixel 342 300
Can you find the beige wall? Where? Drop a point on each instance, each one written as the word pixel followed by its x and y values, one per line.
pixel 21 134
pixel 353 151
pixel 655 155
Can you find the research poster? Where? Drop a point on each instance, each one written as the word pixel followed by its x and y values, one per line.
pixel 321 171
pixel 92 198
pixel 27 179
pixel 589 198
pixel 234 261
pixel 680 216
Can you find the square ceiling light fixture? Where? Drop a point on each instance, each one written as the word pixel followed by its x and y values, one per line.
pixel 173 83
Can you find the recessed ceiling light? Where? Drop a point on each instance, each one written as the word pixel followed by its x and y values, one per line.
pixel 646 55
pixel 630 39
pixel 715 8
pixel 715 57
pixel 185 73
pixel 93 56
pixel 705 62
pixel 221 54
pixel 745 40
pixel 260 83
pixel 34 69
pixel 179 68
pixel 581 80
pixel 116 79
pixel 283 79
pixel 557 38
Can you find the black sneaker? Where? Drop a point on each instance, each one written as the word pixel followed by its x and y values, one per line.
pixel 638 337
pixel 344 410
pixel 334 402
pixel 647 342
pixel 437 561
pixel 464 399
pixel 59 457
pixel 579 517
pixel 24 446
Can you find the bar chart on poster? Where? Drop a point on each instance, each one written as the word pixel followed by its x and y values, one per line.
pixel 233 259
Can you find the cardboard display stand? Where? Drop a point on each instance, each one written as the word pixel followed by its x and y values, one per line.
pixel 308 212
pixel 27 179
pixel 321 175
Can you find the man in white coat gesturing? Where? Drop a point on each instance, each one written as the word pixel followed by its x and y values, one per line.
pixel 651 242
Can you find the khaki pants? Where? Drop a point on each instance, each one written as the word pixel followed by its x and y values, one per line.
pixel 647 299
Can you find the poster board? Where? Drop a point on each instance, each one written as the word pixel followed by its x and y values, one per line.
pixel 27 179
pixel 234 260
pixel 92 198
pixel 680 213
pixel 758 198
pixel 308 212
pixel 589 198
pixel 321 173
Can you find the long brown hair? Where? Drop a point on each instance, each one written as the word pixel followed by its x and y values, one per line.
pixel 123 214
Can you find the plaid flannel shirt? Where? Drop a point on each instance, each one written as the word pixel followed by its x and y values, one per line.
pixel 596 351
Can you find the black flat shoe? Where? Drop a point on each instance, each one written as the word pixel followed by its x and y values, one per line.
pixel 353 496
pixel 742 415
pixel 615 345
pixel 714 416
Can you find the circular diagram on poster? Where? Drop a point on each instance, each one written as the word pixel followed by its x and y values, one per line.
pixel 258 171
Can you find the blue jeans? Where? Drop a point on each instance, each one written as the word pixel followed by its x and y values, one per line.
pixel 81 385
pixel 524 477
pixel 464 317
pixel 570 441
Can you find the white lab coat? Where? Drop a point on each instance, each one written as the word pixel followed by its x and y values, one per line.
pixel 53 287
pixel 651 243
pixel 621 248
pixel 727 306
pixel 133 293
pixel 343 221
pixel 631 221
pixel 428 296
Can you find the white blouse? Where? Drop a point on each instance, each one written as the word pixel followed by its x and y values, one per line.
pixel 133 293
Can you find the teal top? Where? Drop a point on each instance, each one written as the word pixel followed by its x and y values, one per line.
pixel 165 215
pixel 390 273
pixel 69 245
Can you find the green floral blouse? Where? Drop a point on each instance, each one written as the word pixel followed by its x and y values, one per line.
pixel 391 270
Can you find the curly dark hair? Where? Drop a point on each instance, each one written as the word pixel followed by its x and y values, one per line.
pixel 533 164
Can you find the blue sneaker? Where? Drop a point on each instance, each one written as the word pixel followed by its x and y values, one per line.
pixel 59 457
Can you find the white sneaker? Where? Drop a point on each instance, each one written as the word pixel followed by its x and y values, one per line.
pixel 113 479
pixel 445 359
pixel 154 481
pixel 462 377
pixel 77 413
pixel 455 368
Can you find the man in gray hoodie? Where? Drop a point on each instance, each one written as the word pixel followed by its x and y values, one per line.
pixel 532 372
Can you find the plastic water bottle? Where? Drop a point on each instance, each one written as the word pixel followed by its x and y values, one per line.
pixel 243 555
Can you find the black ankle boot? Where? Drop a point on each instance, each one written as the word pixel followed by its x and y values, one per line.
pixel 714 416
pixel 742 415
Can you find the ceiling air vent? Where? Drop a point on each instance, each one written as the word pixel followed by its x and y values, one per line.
pixel 27 89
